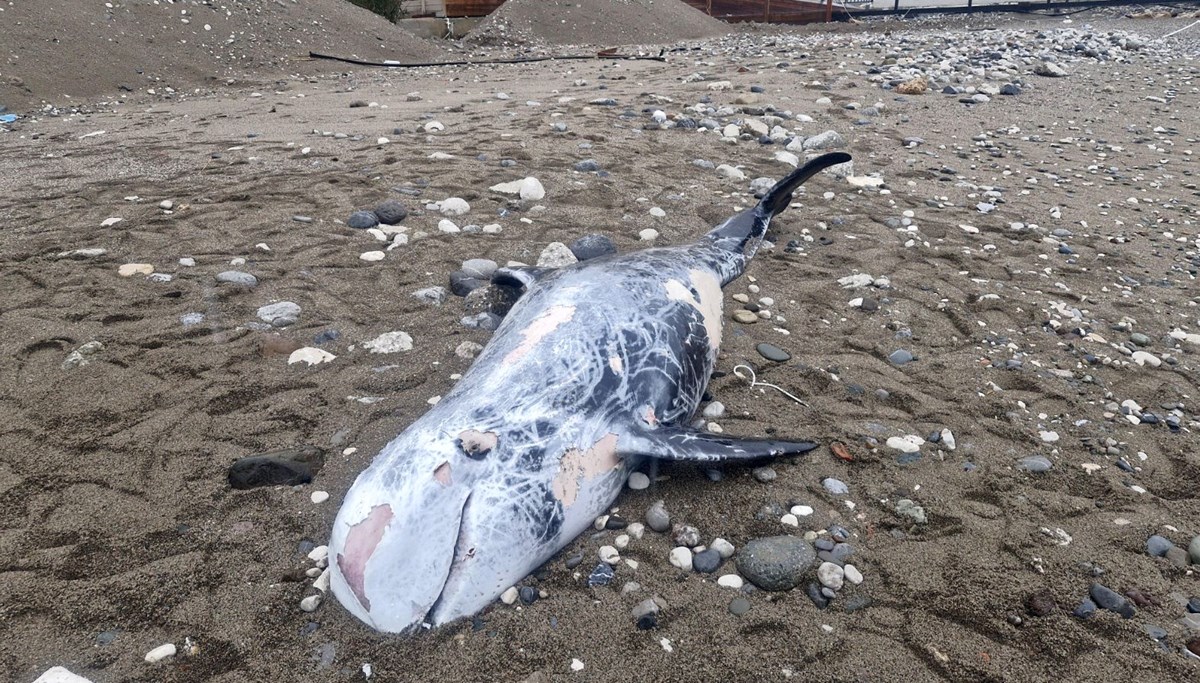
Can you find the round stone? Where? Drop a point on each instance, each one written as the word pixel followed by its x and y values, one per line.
pixel 686 535
pixel 681 557
pixel 639 481
pixel 361 220
pixel 657 517
pixel 237 277
pixel 772 352
pixel 479 268
pixel 835 486
pixel 739 606
pixel 1035 464
pixel 853 575
pixel 556 255
pixel 775 563
pixel 592 246
pixel 723 547
pixel 279 314
pixel 764 474
pixel 830 575
pixel 1158 546
pixel 745 317
pixel 391 212
pixel 1194 550
pixel 901 357
pixel 731 581
pixel 609 555
pixel 707 561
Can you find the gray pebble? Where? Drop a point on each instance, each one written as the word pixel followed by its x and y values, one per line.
pixel 279 314
pixel 764 474
pixel 479 268
pixel 1085 609
pixel 391 212
pixel 1035 463
pixel 1112 600
pixel 772 352
pixel 1158 546
pixel 686 535
pixel 706 561
pixel 657 518
pixel 361 220
pixel 433 296
pixel 592 246
pixel 835 486
pixel 1194 550
pixel 237 277
pixel 739 606
pixel 587 166
pixel 900 357
pixel 775 563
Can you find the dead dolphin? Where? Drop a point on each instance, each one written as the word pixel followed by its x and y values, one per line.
pixel 597 367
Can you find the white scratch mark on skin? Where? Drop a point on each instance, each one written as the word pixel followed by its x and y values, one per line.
pixel 539 329
pixel 708 304
pixel 577 465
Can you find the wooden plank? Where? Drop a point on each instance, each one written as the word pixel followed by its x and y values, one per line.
pixel 471 8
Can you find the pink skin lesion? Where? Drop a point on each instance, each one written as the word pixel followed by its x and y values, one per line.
pixel 539 329
pixel 442 474
pixel 361 542
pixel 577 465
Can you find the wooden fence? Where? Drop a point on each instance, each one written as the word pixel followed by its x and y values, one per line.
pixel 772 11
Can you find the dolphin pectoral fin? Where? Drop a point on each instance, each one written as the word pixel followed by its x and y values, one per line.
pixel 672 443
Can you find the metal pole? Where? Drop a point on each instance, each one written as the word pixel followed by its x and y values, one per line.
pixel 767 11
pixel 896 7
pixel 829 12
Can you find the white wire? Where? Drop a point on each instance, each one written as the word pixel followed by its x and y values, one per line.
pixel 753 380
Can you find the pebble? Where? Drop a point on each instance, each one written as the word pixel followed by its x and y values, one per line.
pixel 528 594
pixel 724 548
pixel 372 256
pixel 830 139
pixel 131 269
pixel 745 317
pixel 311 603
pixel 318 497
pixel 454 206
pixel 835 486
pixel 1085 609
pixel 731 581
pixel 1035 464
pixel 592 246
pixel 764 474
pixel 905 444
pixel 434 296
pixel 237 277
pixel 160 653
pixel 648 235
pixel 1194 550
pixel 831 575
pixel 639 481
pixel 310 355
pixel 1157 546
pixel 389 342
pixel 1111 600
pixel 362 220
pixel 510 595
pixel 775 563
pixel 657 517
pixel 681 557
pixel 556 255
pixel 609 555
pixel 714 410
pixel 390 212
pixel 901 357
pixel 58 674
pixel 772 352
pixel 852 574
pixel 707 561
pixel 911 511
pixel 686 535
pixel 279 314
pixel 739 606
pixel 576 665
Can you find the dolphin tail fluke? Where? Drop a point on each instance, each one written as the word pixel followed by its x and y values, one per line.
pixel 741 234
pixel 670 443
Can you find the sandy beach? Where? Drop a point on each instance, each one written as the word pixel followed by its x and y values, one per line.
pixel 1033 255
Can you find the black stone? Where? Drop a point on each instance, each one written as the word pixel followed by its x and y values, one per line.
pixel 574 561
pixel 587 166
pixel 614 522
pixel 869 305
pixel 1041 604
pixel 776 563
pixel 287 467
pixel 1085 609
pixel 772 352
pixel 647 622
pixel 1112 601
pixel 391 212
pixel 814 593
pixel 592 246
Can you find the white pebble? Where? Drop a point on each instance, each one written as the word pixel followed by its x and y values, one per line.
pixel 448 226
pixel 636 530
pixel 58 674
pixel 714 410
pixel 621 542
pixel 658 213
pixel 433 126
pixel 319 496
pixel 609 555
pixel 681 557
pixel 852 574
pixel 576 665
pixel 1049 437
pixel 724 548
pixel 639 481
pixel 161 652
pixel 731 581
pixel 789 520
pixel 830 575
pixel 322 582
pixel 509 596
pixel 311 603
pixel 801 510
pixel 319 554
pixel 372 256
pixel 648 235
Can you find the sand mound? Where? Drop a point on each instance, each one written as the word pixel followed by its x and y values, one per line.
pixel 55 49
pixel 596 22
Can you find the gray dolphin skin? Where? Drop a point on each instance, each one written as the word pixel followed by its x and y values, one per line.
pixel 596 368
